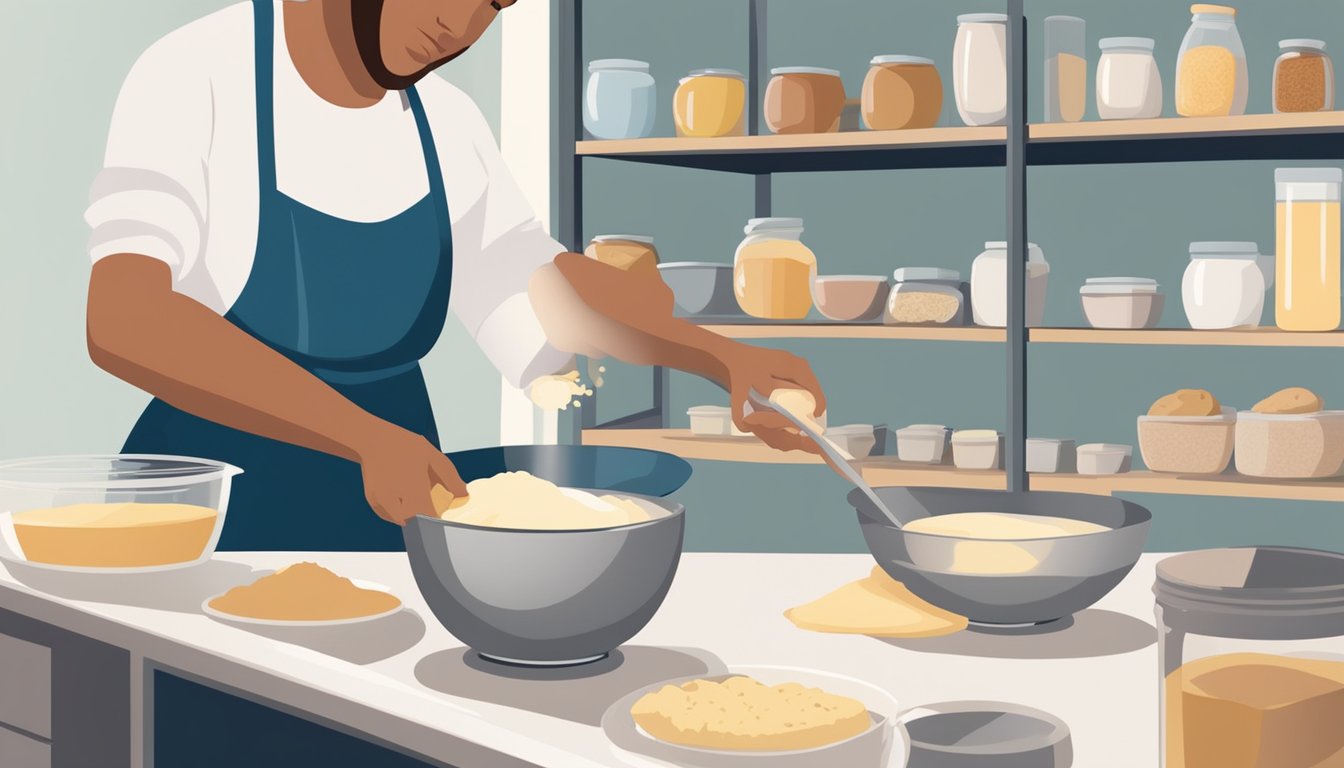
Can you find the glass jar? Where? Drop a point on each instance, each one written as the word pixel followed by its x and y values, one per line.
pixel 1224 286
pixel 989 285
pixel 980 68
pixel 804 100
pixel 628 252
pixel 1251 657
pixel 711 102
pixel 1307 272
pixel 1211 67
pixel 901 92
pixel 773 270
pixel 1065 69
pixel 926 296
pixel 1129 85
pixel 1304 77
pixel 620 100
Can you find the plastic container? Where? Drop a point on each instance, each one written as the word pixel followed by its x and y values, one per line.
pixel 1065 69
pixel 1211 67
pixel 1129 84
pixel 171 510
pixel 977 449
pixel 989 285
pixel 1104 458
pixel 1051 456
pixel 1250 665
pixel 1307 275
pixel 710 103
pixel 773 271
pixel 620 100
pixel 980 68
pixel 1224 286
pixel 1290 446
pixel 1304 77
pixel 700 288
pixel 922 443
pixel 1190 445
pixel 858 440
pixel 1121 302
pixel 901 92
pixel 623 251
pixel 926 295
pixel 804 100
pixel 850 298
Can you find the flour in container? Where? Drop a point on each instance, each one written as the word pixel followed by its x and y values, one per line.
pixel 522 500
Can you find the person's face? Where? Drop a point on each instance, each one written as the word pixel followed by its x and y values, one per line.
pixel 400 41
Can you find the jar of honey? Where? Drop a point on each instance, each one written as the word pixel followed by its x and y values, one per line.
pixel 901 92
pixel 773 271
pixel 710 103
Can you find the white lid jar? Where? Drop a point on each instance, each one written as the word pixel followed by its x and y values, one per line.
pixel 773 270
pixel 980 68
pixel 620 100
pixel 1304 77
pixel 1224 286
pixel 989 285
pixel 1211 67
pixel 1129 85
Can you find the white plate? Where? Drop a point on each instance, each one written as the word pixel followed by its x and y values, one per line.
pixel 882 745
pixel 235 619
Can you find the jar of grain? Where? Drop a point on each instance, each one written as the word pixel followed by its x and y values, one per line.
pixel 773 271
pixel 711 102
pixel 902 92
pixel 1304 78
pixel 926 296
pixel 804 100
pixel 1211 67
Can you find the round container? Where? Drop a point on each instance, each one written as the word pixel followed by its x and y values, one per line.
pixel 710 420
pixel 711 102
pixel 1211 67
pixel 1191 445
pixel 620 101
pixel 773 271
pixel 1251 656
pixel 1290 446
pixel 121 513
pixel 850 298
pixel 922 443
pixel 989 285
pixel 1224 286
pixel 977 448
pixel 700 288
pixel 1050 455
pixel 623 251
pixel 1104 458
pixel 1121 302
pixel 1065 69
pixel 1129 84
pixel 926 295
pixel 901 92
pixel 980 68
pixel 986 734
pixel 1307 276
pixel 858 440
pixel 1304 77
pixel 804 100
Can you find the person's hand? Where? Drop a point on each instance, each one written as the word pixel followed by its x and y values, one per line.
pixel 401 471
pixel 765 370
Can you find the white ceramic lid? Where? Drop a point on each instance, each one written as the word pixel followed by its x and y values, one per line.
pixel 805 71
pixel 894 58
pixel 646 239
pixel 1136 43
pixel 597 65
pixel 771 223
pixel 1118 285
pixel 1099 448
pixel 716 72
pixel 1048 441
pixel 852 278
pixel 974 436
pixel 708 410
pixel 923 428
pixel 914 274
pixel 983 18
pixel 1302 42
pixel 1224 249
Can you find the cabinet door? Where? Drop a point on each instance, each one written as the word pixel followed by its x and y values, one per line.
pixel 25 693
pixel 19 751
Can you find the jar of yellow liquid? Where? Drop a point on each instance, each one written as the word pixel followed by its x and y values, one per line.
pixel 1307 275
pixel 711 102
pixel 773 271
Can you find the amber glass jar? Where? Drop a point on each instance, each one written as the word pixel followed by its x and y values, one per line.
pixel 711 102
pixel 804 100
pixel 902 92
pixel 1304 77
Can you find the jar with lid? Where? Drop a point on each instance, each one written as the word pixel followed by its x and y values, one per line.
pixel 1307 274
pixel 901 92
pixel 804 100
pixel 773 271
pixel 628 252
pixel 1065 69
pixel 1211 67
pixel 1304 77
pixel 619 101
pixel 1224 286
pixel 980 68
pixel 989 285
pixel 711 102
pixel 1251 657
pixel 926 296
pixel 1129 84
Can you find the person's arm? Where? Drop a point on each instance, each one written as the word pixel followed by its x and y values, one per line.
pixel 142 331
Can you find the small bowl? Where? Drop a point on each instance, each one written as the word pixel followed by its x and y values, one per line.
pixel 850 298
pixel 700 288
pixel 1122 302
pixel 1104 458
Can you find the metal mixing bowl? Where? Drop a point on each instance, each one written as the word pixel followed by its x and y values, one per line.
pixel 996 583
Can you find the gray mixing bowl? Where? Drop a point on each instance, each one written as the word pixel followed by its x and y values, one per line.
pixel 546 598
pixel 701 288
pixel 997 583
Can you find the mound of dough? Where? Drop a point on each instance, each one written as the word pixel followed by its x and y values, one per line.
pixel 521 500
pixel 1290 400
pixel 1187 402
pixel 741 713
pixel 304 592
pixel 877 606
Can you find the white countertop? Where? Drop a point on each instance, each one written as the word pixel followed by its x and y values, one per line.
pixel 405 680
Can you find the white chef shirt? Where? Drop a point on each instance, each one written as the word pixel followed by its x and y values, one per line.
pixel 180 179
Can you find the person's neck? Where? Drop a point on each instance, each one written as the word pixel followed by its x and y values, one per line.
pixel 321 43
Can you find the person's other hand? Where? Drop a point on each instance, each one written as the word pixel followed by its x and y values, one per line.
pixel 765 370
pixel 401 470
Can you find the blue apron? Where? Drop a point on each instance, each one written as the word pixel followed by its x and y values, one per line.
pixel 358 305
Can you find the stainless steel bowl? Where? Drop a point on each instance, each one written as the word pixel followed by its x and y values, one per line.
pixel 999 584
pixel 546 598
pixel 701 288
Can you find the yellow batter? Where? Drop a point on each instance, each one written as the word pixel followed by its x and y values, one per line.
pixel 520 500
pixel 125 535
pixel 992 551
pixel 877 606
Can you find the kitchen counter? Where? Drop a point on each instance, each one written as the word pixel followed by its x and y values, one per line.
pixel 405 681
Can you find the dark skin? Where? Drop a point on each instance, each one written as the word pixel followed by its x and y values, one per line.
pixel 142 331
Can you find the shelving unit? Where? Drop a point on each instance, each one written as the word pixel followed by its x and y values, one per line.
pixel 1013 147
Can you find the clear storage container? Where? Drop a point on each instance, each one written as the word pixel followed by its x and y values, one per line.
pixel 804 100
pixel 1224 285
pixel 1251 657
pixel 980 68
pixel 989 285
pixel 1307 274
pixel 1211 67
pixel 1304 77
pixel 977 449
pixel 620 101
pixel 710 103
pixel 1104 458
pixel 922 443
pixel 926 295
pixel 1065 69
pixel 1050 456
pixel 1129 84
pixel 773 271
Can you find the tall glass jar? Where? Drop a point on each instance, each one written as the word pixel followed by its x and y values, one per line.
pixel 773 270
pixel 1304 77
pixel 1065 69
pixel 1307 273
pixel 1129 85
pixel 619 101
pixel 1211 67
pixel 1251 657
pixel 980 68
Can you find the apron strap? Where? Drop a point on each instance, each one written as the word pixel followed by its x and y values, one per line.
pixel 263 40
pixel 433 169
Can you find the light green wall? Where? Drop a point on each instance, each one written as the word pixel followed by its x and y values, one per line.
pixel 64 64
pixel 1090 221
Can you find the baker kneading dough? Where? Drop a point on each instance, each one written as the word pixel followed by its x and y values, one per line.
pixel 877 606
pixel 522 500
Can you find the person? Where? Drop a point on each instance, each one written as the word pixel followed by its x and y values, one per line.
pixel 288 209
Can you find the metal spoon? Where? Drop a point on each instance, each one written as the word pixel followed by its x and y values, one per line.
pixel 836 457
